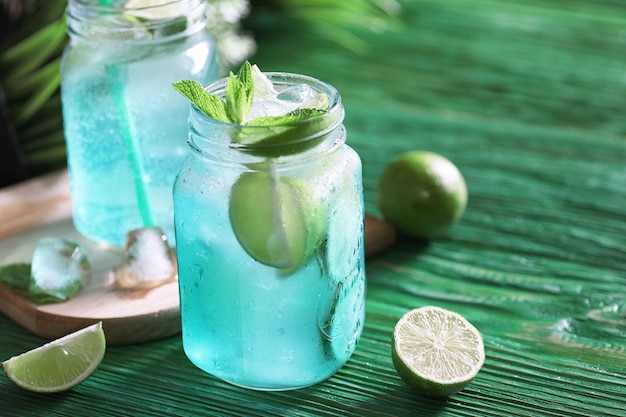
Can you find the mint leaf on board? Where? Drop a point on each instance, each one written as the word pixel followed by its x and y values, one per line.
pixel 16 276
pixel 209 104
pixel 17 279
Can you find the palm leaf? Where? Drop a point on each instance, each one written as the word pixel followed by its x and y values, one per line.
pixel 30 58
pixel 29 73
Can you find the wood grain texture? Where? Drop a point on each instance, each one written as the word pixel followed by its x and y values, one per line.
pixel 527 99
pixel 128 316
pixel 379 237
pixel 30 204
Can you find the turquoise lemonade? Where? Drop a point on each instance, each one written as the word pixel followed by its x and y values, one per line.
pixel 123 122
pixel 269 231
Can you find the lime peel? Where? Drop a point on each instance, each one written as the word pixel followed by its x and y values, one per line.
pixel 61 364
pixel 436 352
pixel 276 219
pixel 422 194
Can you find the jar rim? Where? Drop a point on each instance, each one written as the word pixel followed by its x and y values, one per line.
pixel 134 24
pixel 314 129
pixel 117 6
pixel 218 88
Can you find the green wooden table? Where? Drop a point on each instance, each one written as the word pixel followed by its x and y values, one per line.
pixel 528 98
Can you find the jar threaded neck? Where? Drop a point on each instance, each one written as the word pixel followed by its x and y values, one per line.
pixel 314 135
pixel 113 21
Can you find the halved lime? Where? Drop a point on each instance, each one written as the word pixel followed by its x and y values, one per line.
pixel 436 352
pixel 59 365
pixel 276 219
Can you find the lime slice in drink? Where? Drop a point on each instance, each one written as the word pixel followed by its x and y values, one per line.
pixel 263 86
pixel 265 91
pixel 59 365
pixel 276 220
pixel 436 352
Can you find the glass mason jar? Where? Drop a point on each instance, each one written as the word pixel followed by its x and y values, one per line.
pixel 270 247
pixel 123 119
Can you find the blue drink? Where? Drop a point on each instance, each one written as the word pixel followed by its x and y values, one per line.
pixel 124 124
pixel 254 313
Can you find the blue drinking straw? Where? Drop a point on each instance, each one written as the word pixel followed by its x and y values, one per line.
pixel 129 136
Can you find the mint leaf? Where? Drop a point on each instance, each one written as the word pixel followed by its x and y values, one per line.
pixel 245 76
pixel 287 119
pixel 239 94
pixel 276 136
pixel 16 276
pixel 17 279
pixel 209 104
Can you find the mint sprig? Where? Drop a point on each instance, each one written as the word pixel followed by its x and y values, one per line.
pixel 239 94
pixel 209 104
pixel 239 97
pixel 235 109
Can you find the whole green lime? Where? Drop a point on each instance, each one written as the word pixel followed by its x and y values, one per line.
pixel 276 219
pixel 422 194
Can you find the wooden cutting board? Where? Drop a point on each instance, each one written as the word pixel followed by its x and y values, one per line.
pixel 42 207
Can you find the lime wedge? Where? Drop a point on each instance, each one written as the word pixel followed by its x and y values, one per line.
pixel 276 220
pixel 59 365
pixel 263 86
pixel 436 352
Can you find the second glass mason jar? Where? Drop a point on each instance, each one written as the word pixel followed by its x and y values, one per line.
pixel 123 119
pixel 270 247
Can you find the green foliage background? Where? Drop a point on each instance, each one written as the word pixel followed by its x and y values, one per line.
pixel 34 37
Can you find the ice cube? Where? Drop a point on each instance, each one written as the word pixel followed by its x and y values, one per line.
pixel 59 267
pixel 295 97
pixel 270 101
pixel 297 94
pixel 270 107
pixel 149 261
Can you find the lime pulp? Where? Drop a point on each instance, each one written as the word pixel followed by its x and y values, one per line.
pixel 61 364
pixel 276 219
pixel 436 352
